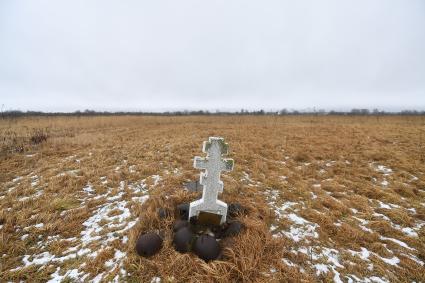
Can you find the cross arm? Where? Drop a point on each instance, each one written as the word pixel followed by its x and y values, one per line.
pixel 200 163
pixel 227 165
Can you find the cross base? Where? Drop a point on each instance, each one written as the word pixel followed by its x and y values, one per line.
pixel 218 208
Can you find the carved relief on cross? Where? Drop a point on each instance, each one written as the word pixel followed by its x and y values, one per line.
pixel 213 165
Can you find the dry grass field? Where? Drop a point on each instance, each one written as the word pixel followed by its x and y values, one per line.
pixel 328 198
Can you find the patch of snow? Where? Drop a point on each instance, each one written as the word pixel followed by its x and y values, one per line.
pixel 88 189
pixel 40 259
pixel 363 223
pixel 398 242
pixel 409 232
pixel 412 210
pixel 363 254
pixel 17 179
pixel 132 169
pixel 297 219
pixel 413 178
pixel 383 205
pixel 391 261
pixel 383 169
pixel 327 255
pixel 246 177
pixel 382 216
pixel 415 259
pixel 140 199
pixel 72 274
pixel 301 229
pixel 376 279
pixel 156 179
pixel 321 268
pixel 288 262
pixel 329 164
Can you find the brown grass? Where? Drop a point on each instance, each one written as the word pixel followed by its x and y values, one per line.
pixel 291 155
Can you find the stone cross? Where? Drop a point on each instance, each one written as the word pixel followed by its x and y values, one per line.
pixel 210 179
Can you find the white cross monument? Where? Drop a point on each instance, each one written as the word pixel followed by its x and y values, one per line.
pixel 210 179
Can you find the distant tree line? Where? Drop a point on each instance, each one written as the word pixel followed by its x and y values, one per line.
pixel 88 112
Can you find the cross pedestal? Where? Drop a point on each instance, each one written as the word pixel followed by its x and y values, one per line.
pixel 213 164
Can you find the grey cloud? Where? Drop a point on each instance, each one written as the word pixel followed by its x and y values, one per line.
pixel 156 55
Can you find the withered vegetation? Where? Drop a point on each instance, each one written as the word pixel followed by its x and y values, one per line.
pixel 328 198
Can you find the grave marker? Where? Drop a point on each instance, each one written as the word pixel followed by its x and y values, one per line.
pixel 209 207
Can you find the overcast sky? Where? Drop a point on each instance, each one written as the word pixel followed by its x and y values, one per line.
pixel 159 55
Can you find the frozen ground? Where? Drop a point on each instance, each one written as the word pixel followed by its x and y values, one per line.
pixel 109 222
pixel 388 231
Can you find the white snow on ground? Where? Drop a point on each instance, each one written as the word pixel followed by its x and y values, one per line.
pixel 88 189
pixel 382 169
pixel 300 229
pixel 409 231
pixel 329 164
pixel 413 178
pixel 398 242
pixel 332 260
pixel 17 179
pixel 392 261
pixel 387 205
pixel 156 179
pixel 363 224
pixel 132 169
pixel 34 180
pixel 328 258
pixel 324 260
pixel 109 222
pixel 246 177
pixel 71 274
pixel 364 254
pixel 386 171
